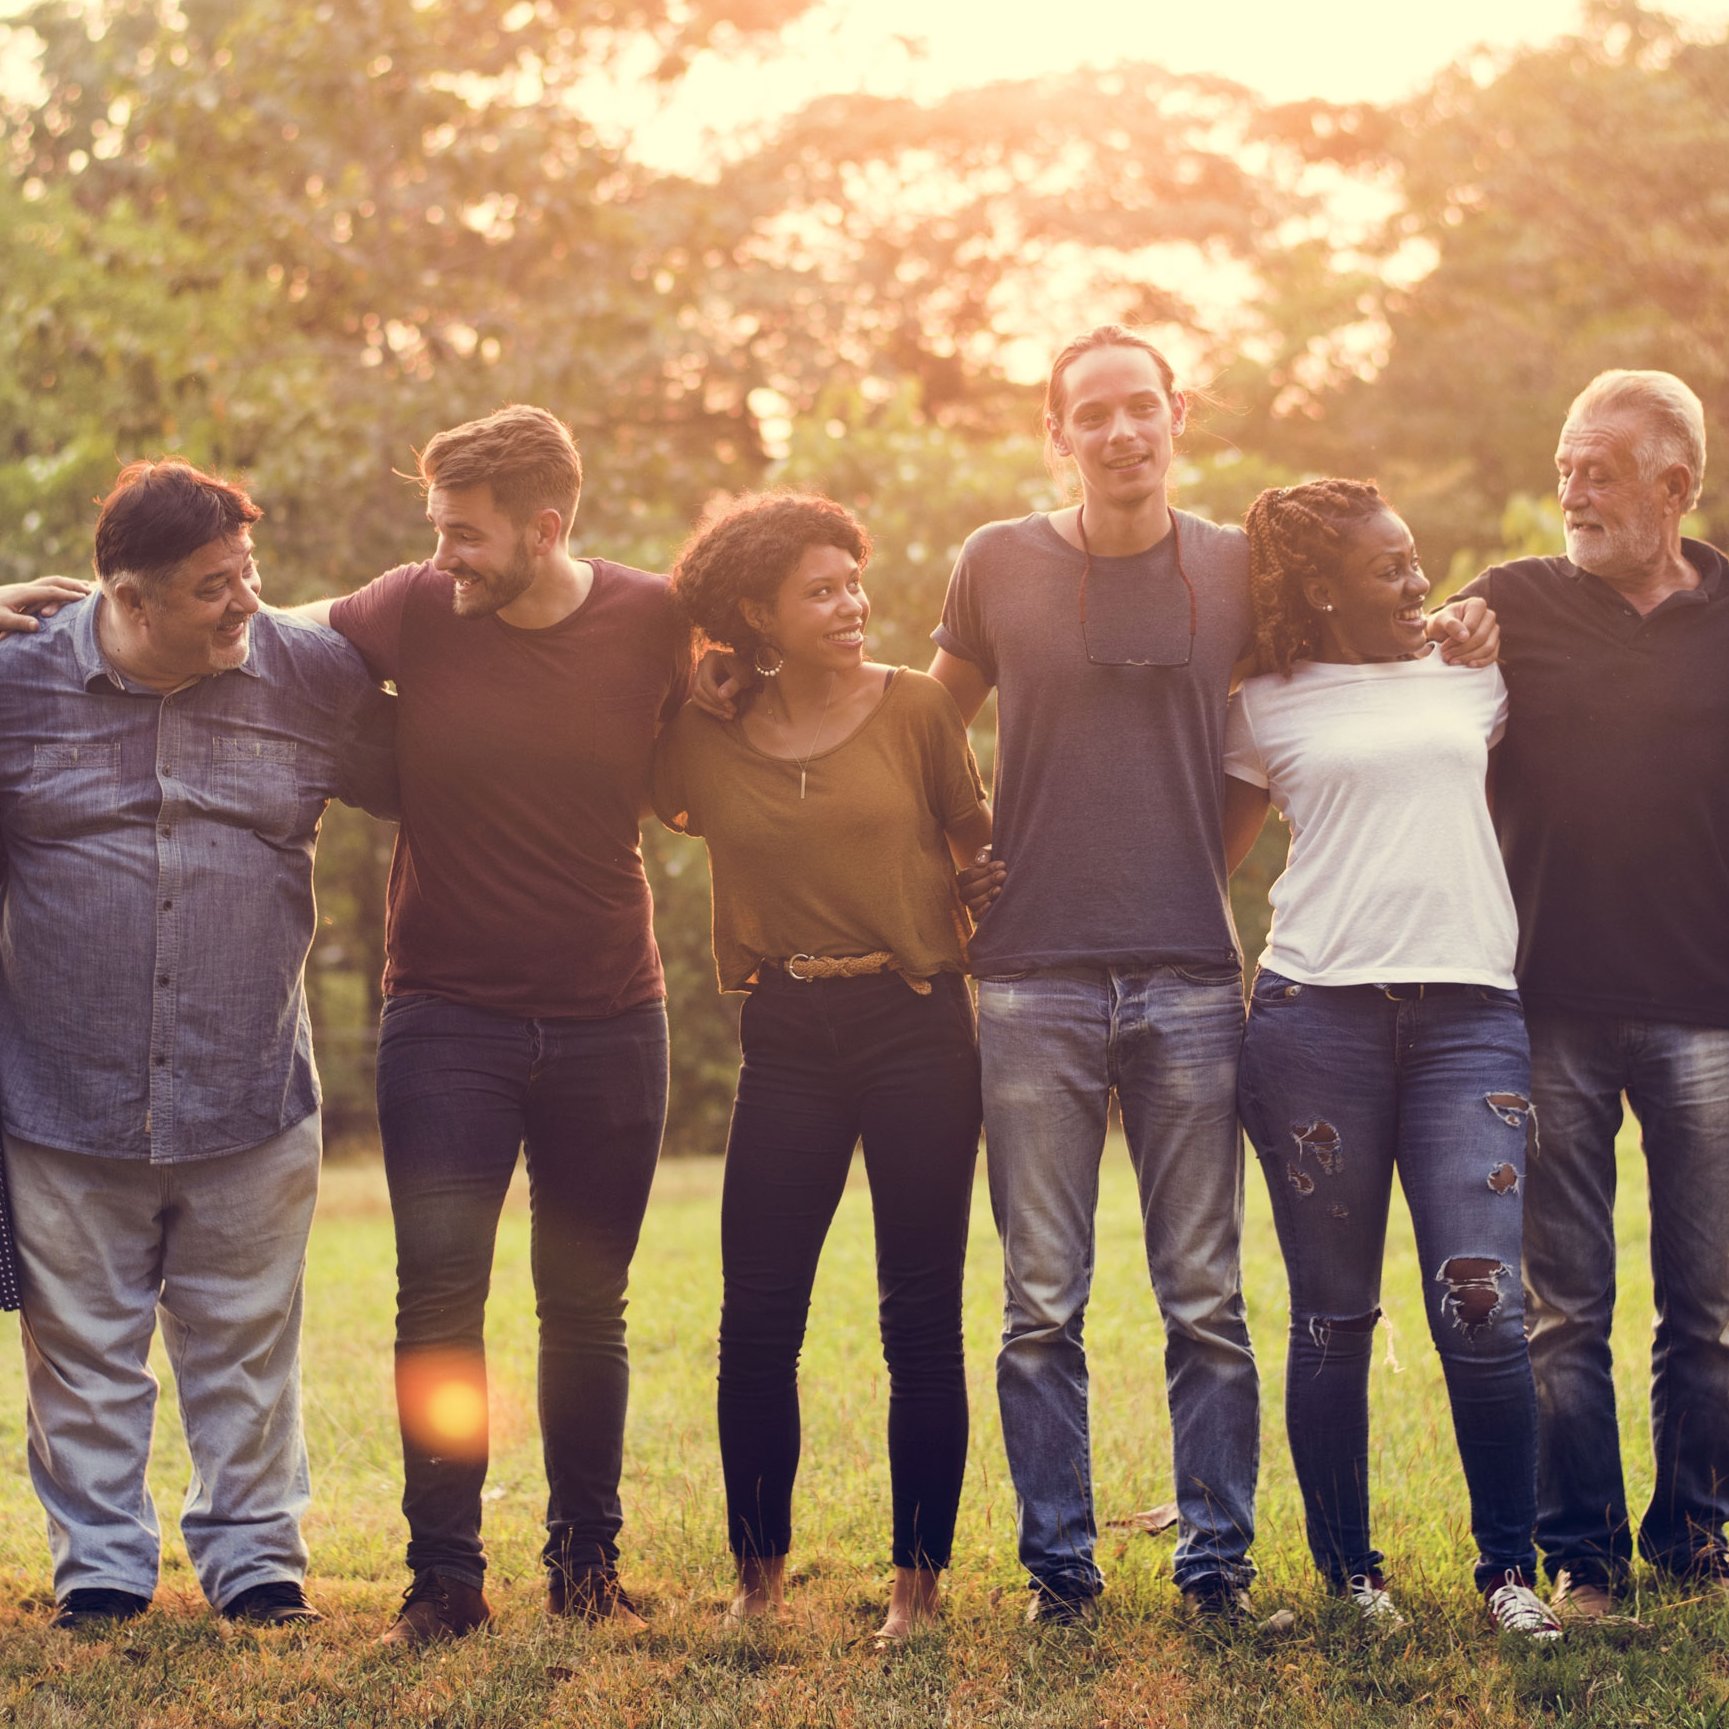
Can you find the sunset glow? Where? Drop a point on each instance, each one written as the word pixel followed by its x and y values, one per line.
pixel 1340 50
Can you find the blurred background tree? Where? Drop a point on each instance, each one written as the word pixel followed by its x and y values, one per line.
pixel 292 239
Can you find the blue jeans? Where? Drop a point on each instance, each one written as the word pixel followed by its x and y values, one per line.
pixel 214 1249
pixel 1340 1085
pixel 1054 1044
pixel 460 1091
pixel 1677 1080
pixel 827 1063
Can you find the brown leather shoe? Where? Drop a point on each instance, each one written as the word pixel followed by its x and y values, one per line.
pixel 437 1607
pixel 1580 1599
pixel 592 1594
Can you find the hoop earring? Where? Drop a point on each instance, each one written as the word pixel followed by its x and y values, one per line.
pixel 767 671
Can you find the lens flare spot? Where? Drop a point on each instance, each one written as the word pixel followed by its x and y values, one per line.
pixel 455 1412
pixel 441 1399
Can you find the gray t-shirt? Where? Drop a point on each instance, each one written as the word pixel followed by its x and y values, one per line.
pixel 1109 787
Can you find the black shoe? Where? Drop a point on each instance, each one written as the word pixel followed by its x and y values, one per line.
pixel 1050 1608
pixel 592 1594
pixel 95 1606
pixel 1214 1601
pixel 275 1604
pixel 435 1607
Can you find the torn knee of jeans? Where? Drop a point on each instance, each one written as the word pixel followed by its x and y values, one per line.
pixel 1511 1108
pixel 1317 1140
pixel 1503 1180
pixel 1473 1296
pixel 1323 1327
pixel 1516 1111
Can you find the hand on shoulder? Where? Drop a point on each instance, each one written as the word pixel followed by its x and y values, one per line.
pixel 22 604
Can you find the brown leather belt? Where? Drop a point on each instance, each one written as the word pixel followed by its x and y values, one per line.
pixel 808 969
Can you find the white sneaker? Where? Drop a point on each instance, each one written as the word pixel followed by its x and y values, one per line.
pixel 1515 1608
pixel 1374 1602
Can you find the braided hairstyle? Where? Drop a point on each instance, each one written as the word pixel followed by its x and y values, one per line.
pixel 744 548
pixel 1295 535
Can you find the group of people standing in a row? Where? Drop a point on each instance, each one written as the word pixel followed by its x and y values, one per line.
pixel 166 749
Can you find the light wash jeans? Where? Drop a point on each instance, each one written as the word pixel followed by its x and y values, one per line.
pixel 1054 1044
pixel 1341 1084
pixel 217 1247
pixel 1677 1080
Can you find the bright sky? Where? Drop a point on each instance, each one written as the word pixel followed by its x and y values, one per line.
pixel 1378 50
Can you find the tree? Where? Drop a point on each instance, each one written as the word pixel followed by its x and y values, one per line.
pixel 1560 212
pixel 294 263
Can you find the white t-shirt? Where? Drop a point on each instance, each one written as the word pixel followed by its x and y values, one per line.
pixel 1394 874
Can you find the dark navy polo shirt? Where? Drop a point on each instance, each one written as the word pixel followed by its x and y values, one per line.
pixel 1612 789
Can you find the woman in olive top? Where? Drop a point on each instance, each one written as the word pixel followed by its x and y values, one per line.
pixel 835 809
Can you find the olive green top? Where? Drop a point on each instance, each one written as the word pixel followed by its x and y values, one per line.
pixel 859 864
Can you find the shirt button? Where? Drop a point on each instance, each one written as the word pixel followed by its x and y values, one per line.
pixel 162 978
pixel 161 1062
pixel 165 831
pixel 168 906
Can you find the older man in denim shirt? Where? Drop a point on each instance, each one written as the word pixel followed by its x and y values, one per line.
pixel 166 752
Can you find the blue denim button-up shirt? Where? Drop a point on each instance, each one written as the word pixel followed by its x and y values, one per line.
pixel 158 906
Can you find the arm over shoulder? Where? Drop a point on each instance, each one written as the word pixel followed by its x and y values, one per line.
pixel 371 617
pixel 669 788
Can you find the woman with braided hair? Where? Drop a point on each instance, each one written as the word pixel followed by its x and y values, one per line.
pixel 1384 1028
pixel 835 806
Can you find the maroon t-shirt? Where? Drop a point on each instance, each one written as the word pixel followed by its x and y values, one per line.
pixel 517 880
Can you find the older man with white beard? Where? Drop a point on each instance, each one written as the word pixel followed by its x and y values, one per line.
pixel 1612 800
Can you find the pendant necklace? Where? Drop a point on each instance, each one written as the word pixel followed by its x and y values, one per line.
pixel 804 762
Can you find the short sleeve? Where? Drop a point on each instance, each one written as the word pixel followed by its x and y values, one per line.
pixel 1478 589
pixel 668 789
pixel 366 769
pixel 962 629
pixel 371 619
pixel 1243 758
pixel 682 669
pixel 956 789
pixel 1498 725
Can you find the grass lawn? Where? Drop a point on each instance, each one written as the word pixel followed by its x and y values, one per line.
pixel 1141 1665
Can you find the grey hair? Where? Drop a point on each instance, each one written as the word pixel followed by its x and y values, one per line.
pixel 1675 416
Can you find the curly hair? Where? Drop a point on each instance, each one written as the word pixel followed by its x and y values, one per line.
pixel 744 548
pixel 1295 534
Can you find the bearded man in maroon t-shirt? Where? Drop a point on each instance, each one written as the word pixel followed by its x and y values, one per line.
pixel 524 1005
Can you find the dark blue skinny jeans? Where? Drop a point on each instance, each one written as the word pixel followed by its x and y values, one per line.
pixel 461 1091
pixel 827 1064
pixel 1339 1086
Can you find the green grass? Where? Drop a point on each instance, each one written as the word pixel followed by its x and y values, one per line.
pixel 1140 1666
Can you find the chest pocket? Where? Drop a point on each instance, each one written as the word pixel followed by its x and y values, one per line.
pixel 74 789
pixel 257 782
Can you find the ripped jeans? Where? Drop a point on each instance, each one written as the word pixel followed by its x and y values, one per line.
pixel 1339 1084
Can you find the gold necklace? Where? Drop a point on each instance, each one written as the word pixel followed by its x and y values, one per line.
pixel 822 720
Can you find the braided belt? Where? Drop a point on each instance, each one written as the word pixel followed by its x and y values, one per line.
pixel 807 969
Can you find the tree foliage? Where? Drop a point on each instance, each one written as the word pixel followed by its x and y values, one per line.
pixel 1558 213
pixel 292 239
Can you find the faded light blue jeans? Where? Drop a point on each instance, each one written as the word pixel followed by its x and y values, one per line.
pixel 1341 1085
pixel 215 1250
pixel 1054 1045
pixel 1677 1080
